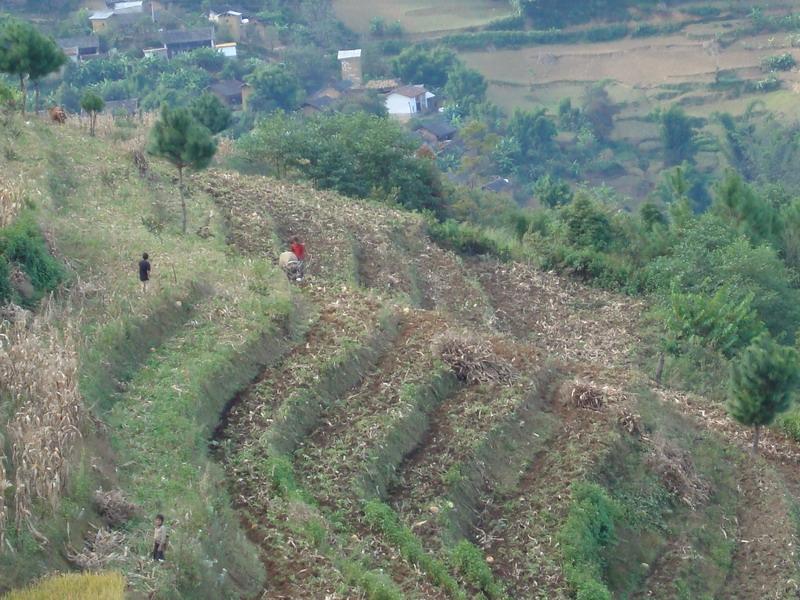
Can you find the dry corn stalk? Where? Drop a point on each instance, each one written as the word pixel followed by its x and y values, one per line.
pixel 585 396
pixel 676 470
pixel 4 485
pixel 472 359
pixel 39 373
pixel 102 549
pixel 10 203
pixel 113 506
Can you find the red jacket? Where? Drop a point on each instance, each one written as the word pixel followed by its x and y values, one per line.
pixel 299 250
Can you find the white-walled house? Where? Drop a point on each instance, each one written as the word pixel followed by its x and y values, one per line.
pixel 409 100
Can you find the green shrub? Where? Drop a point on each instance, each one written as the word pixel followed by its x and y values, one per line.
pixel 470 562
pixel 23 243
pixel 466 239
pixel 779 62
pixel 588 530
pixel 380 516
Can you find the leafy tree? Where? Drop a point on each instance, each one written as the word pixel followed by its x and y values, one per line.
pixel 587 223
pixel 465 87
pixel 569 117
pixel 678 136
pixel 720 321
pixel 425 66
pixel 92 104
pixel 211 112
pixel 274 87
pixel 356 154
pixel 178 137
pixel 599 111
pixel 552 192
pixel 748 213
pixel 652 215
pixel 763 379
pixel 26 53
pixel 46 58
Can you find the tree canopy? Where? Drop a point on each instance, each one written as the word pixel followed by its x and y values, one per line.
pixel 763 379
pixel 26 53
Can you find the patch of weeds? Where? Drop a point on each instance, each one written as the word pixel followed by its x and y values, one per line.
pixel 588 530
pixel 468 559
pixel 381 517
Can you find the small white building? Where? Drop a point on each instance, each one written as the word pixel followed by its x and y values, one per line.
pixel 133 7
pixel 160 52
pixel 407 101
pixel 228 49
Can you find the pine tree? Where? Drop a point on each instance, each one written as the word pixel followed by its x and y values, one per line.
pixel 92 104
pixel 27 54
pixel 211 112
pixel 763 379
pixel 184 142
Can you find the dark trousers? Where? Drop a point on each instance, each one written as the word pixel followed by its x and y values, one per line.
pixel 157 554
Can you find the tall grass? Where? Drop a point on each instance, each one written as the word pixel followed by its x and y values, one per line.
pixel 94 586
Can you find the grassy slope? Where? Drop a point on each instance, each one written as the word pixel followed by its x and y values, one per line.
pixel 159 374
pixel 90 200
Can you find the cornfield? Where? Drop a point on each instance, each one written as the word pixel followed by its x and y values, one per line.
pixel 39 373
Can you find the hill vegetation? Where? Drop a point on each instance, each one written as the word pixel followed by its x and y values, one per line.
pixel 464 397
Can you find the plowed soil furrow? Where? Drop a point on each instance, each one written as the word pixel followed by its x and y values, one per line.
pixel 458 429
pixel 336 451
pixel 519 530
pixel 338 320
pixel 764 562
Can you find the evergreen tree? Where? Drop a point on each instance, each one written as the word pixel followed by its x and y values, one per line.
pixel 27 54
pixel 47 58
pixel 178 137
pixel 92 104
pixel 763 379
pixel 678 137
pixel 211 112
pixel 465 87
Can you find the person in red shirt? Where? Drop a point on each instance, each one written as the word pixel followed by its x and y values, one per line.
pixel 299 250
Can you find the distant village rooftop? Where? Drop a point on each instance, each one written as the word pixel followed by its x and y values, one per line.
pixel 345 54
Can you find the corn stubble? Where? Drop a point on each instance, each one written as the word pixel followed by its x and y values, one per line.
pixel 39 374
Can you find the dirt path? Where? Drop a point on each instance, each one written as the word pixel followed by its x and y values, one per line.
pixel 764 565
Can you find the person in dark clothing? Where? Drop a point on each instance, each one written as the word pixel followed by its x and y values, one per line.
pixel 144 271
pixel 159 539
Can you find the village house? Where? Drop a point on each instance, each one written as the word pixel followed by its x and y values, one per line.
pixel 185 40
pixel 316 105
pixel 227 49
pixel 436 132
pixel 160 52
pixel 120 13
pixel 229 91
pixel 404 102
pixel 352 70
pixel 79 48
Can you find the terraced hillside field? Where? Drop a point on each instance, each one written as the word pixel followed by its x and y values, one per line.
pixel 364 467
pixel 406 423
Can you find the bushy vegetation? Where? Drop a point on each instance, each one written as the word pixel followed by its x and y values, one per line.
pixel 23 247
pixel 588 531
pixel 358 154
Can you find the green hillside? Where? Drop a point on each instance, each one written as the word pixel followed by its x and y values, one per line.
pixel 316 440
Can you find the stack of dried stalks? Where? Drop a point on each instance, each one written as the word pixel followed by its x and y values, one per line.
pixel 4 485
pixel 10 203
pixel 630 422
pixel 472 359
pixel 102 549
pixel 114 507
pixel 677 473
pixel 39 372
pixel 584 395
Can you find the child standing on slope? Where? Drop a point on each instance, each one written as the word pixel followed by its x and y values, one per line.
pixel 159 539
